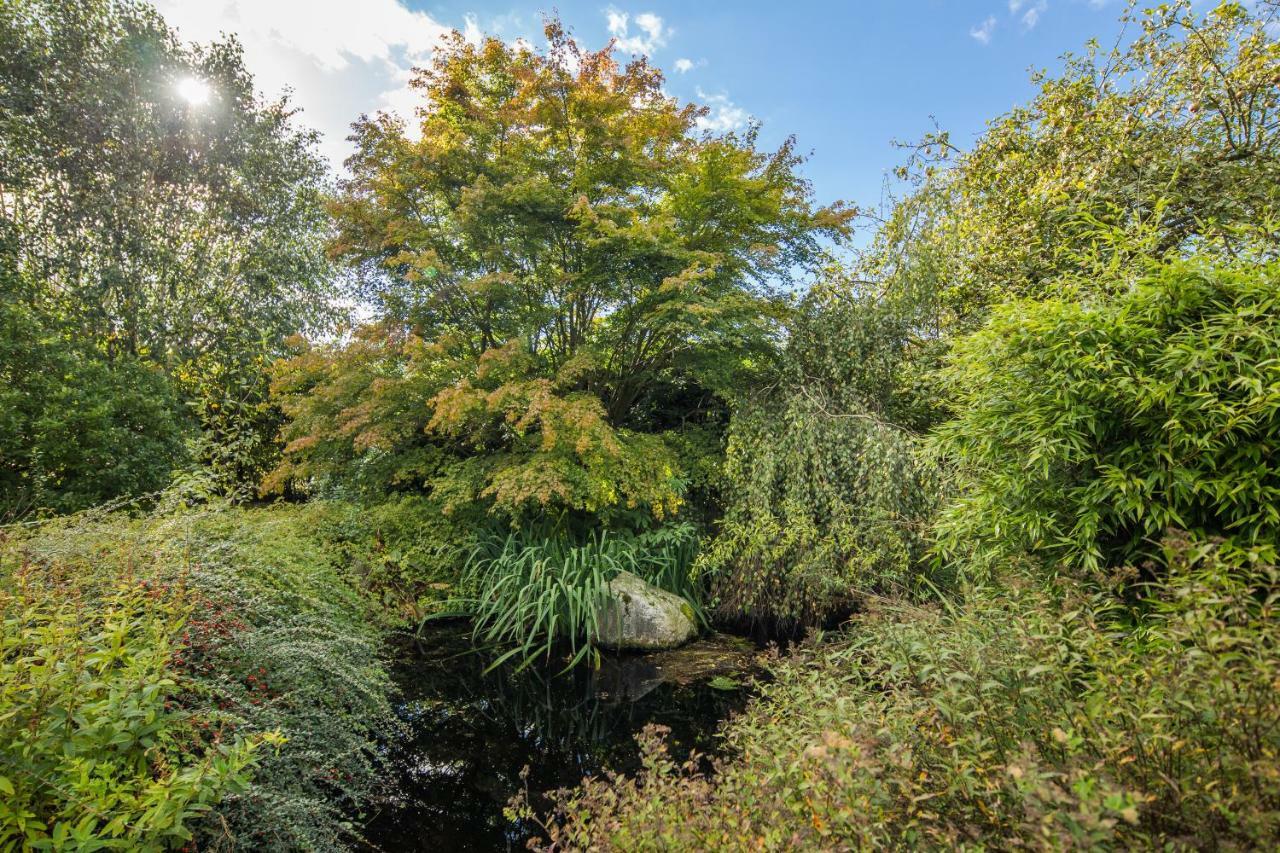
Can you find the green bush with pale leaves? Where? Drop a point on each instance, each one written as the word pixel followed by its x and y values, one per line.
pixel 1085 429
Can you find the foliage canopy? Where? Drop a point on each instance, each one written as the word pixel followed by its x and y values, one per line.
pixel 75 430
pixel 569 272
pixel 1162 146
pixel 189 237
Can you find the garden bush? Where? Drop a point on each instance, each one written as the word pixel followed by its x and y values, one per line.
pixel 97 746
pixel 826 497
pixel 250 630
pixel 404 554
pixel 75 429
pixel 1029 714
pixel 1084 429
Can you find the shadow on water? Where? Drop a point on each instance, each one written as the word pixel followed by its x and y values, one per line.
pixel 470 734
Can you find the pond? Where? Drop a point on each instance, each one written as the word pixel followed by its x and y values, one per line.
pixel 470 734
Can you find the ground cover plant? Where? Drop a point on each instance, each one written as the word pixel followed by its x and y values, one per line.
pixel 205 674
pixel 94 748
pixel 1036 713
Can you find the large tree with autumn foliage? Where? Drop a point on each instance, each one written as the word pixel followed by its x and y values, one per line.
pixel 572 278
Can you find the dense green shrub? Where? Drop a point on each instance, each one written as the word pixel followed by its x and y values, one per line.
pixel 825 495
pixel 75 429
pixel 1085 429
pixel 529 592
pixel 96 746
pixel 825 504
pixel 1026 715
pixel 403 553
pixel 274 640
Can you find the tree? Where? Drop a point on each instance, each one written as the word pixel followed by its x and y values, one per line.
pixel 1154 149
pixel 187 235
pixel 575 271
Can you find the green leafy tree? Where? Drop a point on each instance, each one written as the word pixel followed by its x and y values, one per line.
pixel 186 235
pixel 571 274
pixel 1162 146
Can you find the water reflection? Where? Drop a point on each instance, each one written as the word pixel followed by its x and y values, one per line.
pixel 472 733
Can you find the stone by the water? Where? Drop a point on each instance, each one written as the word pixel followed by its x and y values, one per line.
pixel 640 616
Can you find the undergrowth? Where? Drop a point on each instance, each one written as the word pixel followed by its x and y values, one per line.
pixel 96 749
pixel 1033 714
pixel 190 638
pixel 530 593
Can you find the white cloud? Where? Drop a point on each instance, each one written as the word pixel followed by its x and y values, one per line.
pixel 1033 10
pixel 684 66
pixel 617 21
pixel 471 30
pixel 725 115
pixel 339 58
pixel 652 32
pixel 983 31
pixel 1031 17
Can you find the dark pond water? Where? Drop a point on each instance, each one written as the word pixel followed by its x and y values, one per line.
pixel 471 734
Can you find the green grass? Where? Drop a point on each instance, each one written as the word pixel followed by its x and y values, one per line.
pixel 532 592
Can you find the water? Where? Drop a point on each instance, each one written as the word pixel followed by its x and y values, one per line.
pixel 471 734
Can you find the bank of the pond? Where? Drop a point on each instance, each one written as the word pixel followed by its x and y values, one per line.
pixel 471 734
pixel 207 674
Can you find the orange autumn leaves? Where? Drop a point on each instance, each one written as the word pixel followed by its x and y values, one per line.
pixel 500 434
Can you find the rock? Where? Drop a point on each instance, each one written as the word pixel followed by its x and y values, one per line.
pixel 638 615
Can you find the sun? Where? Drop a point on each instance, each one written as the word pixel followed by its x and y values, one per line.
pixel 194 91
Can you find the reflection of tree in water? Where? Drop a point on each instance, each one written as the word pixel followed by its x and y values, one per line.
pixel 473 733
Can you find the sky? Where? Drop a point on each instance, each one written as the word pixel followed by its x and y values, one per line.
pixel 848 79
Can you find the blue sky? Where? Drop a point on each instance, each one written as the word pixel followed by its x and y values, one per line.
pixel 846 78
pixel 849 78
